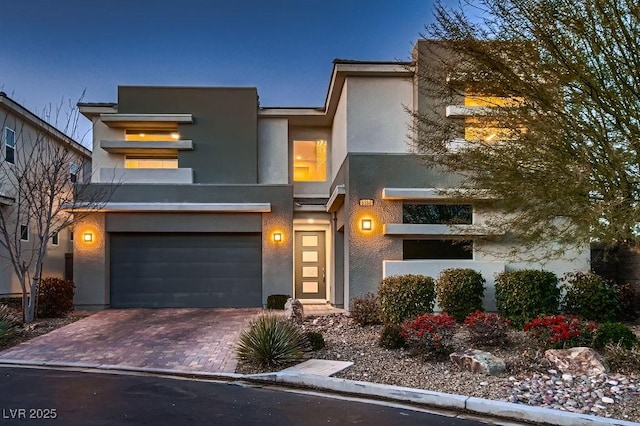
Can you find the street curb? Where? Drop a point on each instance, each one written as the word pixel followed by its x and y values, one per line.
pixel 461 403
pixel 499 409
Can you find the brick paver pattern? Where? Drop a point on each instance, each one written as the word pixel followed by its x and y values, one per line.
pixel 200 339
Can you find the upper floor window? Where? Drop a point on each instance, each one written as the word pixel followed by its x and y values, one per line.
pixel 437 214
pixel 152 135
pixel 480 100
pixel 9 145
pixel 151 163
pixel 73 172
pixel 24 233
pixel 486 129
pixel 55 239
pixel 310 161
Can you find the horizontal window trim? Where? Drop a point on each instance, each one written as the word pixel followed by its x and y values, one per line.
pixel 433 194
pixel 145 121
pixel 146 147
pixel 435 231
pixel 172 207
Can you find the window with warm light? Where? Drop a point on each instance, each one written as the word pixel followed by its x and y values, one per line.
pixel 310 161
pixel 152 135
pixel 151 163
pixel 487 130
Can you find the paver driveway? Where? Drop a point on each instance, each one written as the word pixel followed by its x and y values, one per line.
pixel 183 339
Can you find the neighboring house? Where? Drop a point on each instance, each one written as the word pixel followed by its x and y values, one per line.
pixel 221 202
pixel 21 129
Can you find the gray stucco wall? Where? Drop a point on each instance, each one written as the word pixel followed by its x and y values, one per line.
pixel 92 261
pixel 224 131
pixel 367 175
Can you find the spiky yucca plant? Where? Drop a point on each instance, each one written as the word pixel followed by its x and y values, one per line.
pixel 272 340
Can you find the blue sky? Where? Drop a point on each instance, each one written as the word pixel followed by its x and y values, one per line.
pixel 53 50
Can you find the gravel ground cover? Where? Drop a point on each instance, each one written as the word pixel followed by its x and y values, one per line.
pixel 529 378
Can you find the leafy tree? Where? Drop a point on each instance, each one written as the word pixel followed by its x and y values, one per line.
pixel 39 181
pixel 554 140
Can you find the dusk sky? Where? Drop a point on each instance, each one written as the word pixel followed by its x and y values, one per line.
pixel 53 50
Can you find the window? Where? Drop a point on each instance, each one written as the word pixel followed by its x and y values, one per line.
pixel 24 233
pixel 437 214
pixel 151 163
pixel 73 172
pixel 437 249
pixel 152 135
pixel 9 145
pixel 70 234
pixel 487 130
pixel 54 239
pixel 310 161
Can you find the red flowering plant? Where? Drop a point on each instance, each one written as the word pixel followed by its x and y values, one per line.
pixel 562 331
pixel 487 329
pixel 430 334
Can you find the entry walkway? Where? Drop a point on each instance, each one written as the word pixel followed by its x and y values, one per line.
pixel 202 340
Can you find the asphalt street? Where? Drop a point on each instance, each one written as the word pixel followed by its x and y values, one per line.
pixel 47 397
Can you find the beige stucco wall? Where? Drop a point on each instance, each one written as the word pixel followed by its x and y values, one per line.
pixel 101 159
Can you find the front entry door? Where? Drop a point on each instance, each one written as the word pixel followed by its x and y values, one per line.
pixel 310 265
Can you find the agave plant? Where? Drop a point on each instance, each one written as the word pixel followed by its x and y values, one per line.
pixel 272 340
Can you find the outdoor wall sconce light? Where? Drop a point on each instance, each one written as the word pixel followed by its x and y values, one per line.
pixel 87 237
pixel 366 224
pixel 366 202
pixel 277 237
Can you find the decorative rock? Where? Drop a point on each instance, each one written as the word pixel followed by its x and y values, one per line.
pixel 567 377
pixel 607 400
pixel 477 361
pixel 577 361
pixel 293 310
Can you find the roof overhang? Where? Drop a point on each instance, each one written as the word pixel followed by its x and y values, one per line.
pixel 337 198
pixel 172 207
pixel 145 121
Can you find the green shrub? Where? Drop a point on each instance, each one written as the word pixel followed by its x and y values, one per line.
pixel 460 292
pixel 277 301
pixel 525 294
pixel 315 339
pixel 391 337
pixel 623 360
pixel 403 297
pixel 55 297
pixel 487 329
pixel 9 321
pixel 365 309
pixel 614 333
pixel 271 340
pixel 591 297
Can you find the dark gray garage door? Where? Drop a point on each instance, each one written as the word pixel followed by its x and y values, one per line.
pixel 185 270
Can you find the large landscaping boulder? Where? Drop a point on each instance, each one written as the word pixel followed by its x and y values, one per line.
pixel 577 361
pixel 477 361
pixel 293 310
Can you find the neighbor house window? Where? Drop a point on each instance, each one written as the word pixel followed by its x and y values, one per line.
pixel 24 233
pixel 310 161
pixel 151 163
pixel 437 249
pixel 9 145
pixel 54 239
pixel 437 214
pixel 70 234
pixel 152 135
pixel 73 172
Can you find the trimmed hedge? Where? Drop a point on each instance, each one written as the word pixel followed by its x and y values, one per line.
pixel 404 297
pixel 591 296
pixel 460 292
pixel 526 294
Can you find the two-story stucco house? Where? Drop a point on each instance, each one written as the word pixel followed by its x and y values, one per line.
pixel 22 132
pixel 222 202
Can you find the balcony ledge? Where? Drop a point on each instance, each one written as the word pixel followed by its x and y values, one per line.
pixel 146 147
pixel 435 231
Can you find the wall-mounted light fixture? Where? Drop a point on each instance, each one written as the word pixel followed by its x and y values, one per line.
pixel 366 224
pixel 277 237
pixel 87 237
pixel 366 202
